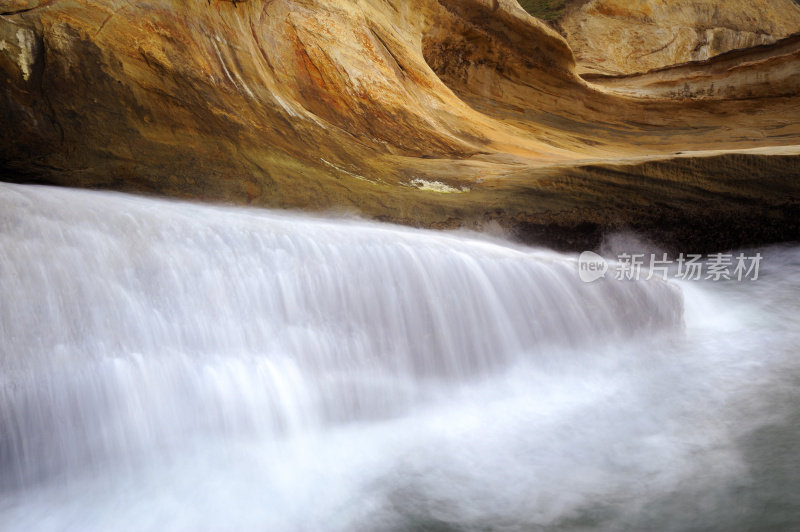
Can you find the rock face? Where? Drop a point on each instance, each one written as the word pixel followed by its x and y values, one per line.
pixel 429 112
pixel 726 76
pixel 628 36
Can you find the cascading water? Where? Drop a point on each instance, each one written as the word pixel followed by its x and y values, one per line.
pixel 170 366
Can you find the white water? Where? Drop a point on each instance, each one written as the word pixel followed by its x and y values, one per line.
pixel 168 366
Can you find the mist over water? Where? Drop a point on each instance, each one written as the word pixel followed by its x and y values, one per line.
pixel 172 366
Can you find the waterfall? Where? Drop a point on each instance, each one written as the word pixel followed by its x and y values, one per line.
pixel 138 331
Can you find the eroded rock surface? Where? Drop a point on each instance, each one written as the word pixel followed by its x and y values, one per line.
pixel 429 112
pixel 628 36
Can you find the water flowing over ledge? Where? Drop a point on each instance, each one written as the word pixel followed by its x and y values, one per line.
pixel 172 366
pixel 154 319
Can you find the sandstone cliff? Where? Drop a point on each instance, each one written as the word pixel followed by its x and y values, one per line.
pixel 430 112
pixel 627 36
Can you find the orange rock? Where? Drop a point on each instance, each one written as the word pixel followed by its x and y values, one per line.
pixel 363 105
